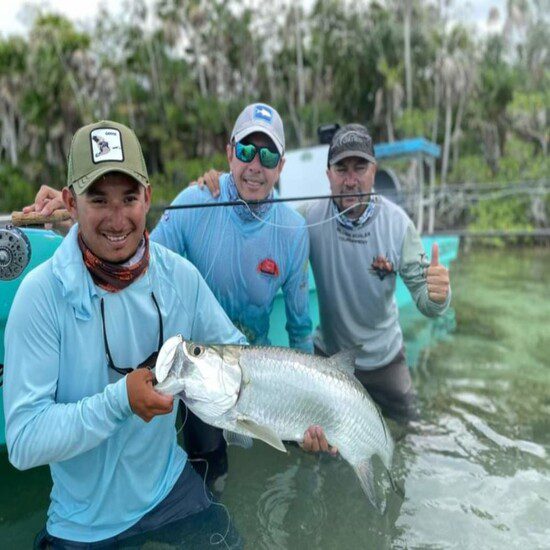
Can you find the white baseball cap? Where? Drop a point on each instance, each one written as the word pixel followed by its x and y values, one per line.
pixel 259 117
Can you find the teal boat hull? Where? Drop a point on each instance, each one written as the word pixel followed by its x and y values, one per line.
pixel 44 243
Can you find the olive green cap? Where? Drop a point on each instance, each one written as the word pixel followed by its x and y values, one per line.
pixel 104 147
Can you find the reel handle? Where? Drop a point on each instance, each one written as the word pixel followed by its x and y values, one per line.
pixel 34 218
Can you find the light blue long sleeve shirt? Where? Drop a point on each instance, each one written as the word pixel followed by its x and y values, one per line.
pixel 245 262
pixel 64 406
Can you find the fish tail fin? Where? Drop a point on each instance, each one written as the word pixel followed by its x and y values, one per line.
pixel 365 473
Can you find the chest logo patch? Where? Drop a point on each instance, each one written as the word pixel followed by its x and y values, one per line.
pixel 381 267
pixel 268 267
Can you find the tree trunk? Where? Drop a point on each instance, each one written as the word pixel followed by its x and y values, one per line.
pixel 447 139
pixel 299 59
pixel 458 127
pixel 389 121
pixel 408 63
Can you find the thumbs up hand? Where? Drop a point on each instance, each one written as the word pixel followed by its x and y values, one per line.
pixel 437 277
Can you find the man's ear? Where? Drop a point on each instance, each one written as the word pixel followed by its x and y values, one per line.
pixel 229 151
pixel 69 198
pixel 148 194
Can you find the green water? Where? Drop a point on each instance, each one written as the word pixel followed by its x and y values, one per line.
pixel 475 467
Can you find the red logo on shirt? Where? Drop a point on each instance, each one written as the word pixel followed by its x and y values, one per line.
pixel 269 267
pixel 381 267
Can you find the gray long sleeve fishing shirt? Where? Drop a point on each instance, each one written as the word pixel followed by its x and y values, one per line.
pixel 355 273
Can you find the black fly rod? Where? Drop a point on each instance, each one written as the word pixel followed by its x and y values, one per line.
pixel 257 203
pixel 33 218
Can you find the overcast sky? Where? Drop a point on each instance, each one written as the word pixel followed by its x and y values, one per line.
pixel 15 14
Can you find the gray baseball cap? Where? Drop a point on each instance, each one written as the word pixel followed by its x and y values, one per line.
pixel 352 140
pixel 262 118
pixel 104 147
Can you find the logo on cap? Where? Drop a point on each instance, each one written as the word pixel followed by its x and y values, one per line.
pixel 106 145
pixel 264 113
pixel 350 138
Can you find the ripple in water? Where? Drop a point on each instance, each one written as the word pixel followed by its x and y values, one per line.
pixel 280 510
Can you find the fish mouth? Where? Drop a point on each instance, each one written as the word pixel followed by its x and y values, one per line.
pixel 165 357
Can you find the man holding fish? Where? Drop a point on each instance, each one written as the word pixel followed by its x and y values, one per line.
pixel 245 253
pixel 81 326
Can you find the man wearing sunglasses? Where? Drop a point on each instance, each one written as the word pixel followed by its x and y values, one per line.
pixel 246 253
pixel 81 326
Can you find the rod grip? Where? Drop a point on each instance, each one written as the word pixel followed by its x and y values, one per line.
pixel 34 218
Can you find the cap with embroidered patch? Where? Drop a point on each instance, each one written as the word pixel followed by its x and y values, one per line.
pixel 259 117
pixel 104 147
pixel 352 140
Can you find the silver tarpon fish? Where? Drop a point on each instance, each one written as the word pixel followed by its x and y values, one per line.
pixel 276 394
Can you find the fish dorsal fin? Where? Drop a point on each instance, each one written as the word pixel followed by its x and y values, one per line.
pixel 232 438
pixel 261 432
pixel 166 356
pixel 345 360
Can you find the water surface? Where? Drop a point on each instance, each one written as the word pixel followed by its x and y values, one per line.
pixel 474 468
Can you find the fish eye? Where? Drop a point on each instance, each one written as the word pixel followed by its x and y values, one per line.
pixel 197 351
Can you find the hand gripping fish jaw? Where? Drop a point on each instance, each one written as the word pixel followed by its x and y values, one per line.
pixel 206 380
pixel 15 252
pixel 165 357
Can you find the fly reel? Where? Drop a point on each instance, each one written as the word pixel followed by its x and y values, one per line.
pixel 15 252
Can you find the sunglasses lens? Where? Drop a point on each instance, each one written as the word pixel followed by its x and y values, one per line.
pixel 268 158
pixel 245 153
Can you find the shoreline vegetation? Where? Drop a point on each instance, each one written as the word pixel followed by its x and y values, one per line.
pixel 402 68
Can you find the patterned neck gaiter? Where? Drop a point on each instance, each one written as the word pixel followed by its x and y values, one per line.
pixel 115 277
pixel 348 223
pixel 248 212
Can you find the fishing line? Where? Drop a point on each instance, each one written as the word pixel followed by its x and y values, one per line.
pixel 247 205
pixel 185 419
pixel 213 538
pixel 215 256
pixel 241 202
pixel 307 224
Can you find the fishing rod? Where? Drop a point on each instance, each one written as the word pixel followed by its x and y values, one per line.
pixel 34 218
pixel 15 247
pixel 261 202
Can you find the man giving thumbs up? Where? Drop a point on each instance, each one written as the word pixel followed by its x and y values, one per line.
pixel 357 248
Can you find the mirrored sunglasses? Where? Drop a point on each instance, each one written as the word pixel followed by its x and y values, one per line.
pixel 246 153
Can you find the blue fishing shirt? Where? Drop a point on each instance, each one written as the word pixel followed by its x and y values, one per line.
pixel 245 261
pixel 64 406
